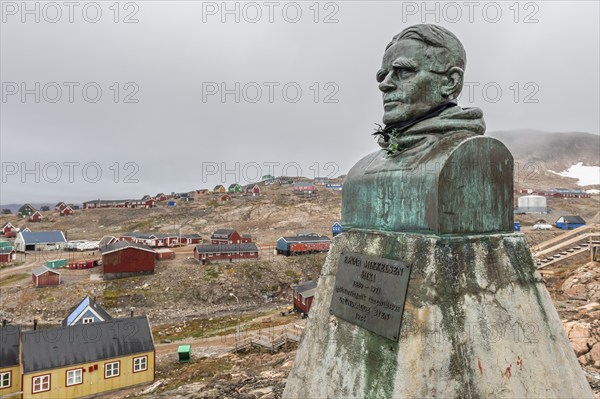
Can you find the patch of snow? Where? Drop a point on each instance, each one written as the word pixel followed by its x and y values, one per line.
pixel 587 175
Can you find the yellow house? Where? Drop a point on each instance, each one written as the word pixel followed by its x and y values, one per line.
pixel 219 189
pixel 10 368
pixel 87 359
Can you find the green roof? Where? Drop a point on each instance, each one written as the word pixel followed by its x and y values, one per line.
pixel 184 348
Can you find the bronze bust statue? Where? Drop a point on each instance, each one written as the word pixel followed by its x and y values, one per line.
pixel 433 155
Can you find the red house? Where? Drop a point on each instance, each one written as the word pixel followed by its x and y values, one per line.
pixel 66 211
pixel 60 206
pixel 160 197
pixel 35 217
pixel 225 252
pixel 304 188
pixel 253 189
pixel 7 255
pixel 304 295
pixel 44 277
pixel 124 259
pixel 7 229
pixel 229 236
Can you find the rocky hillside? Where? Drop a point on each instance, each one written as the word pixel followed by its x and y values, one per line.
pixel 536 153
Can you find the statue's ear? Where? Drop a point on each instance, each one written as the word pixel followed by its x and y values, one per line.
pixel 453 84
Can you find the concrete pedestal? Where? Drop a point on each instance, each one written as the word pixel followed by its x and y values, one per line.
pixel 478 323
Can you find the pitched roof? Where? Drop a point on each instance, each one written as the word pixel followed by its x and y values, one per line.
pixel 106 240
pixel 226 248
pixel 6 250
pixel 42 237
pixel 573 219
pixel 79 308
pixel 119 245
pixel 41 270
pixel 222 233
pixel 308 286
pixel 9 348
pixel 305 238
pixel 57 347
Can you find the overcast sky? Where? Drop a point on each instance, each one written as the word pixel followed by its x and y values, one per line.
pixel 176 96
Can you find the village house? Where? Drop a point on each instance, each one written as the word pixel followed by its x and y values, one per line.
pixel 120 355
pixel 229 236
pixel 302 244
pixel 26 210
pixel 253 189
pixel 219 188
pixel 8 230
pixel 225 198
pixel 35 217
pixel 125 258
pixel 569 222
pixel 66 211
pixel 10 367
pixel 39 240
pixel 234 188
pixel 60 206
pixel 160 197
pixel 87 311
pixel 304 188
pixel 190 239
pixel 303 296
pixel 225 252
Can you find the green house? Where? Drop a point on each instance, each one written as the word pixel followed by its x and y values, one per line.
pixel 185 353
pixel 235 188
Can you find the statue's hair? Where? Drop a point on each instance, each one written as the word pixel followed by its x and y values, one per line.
pixel 445 50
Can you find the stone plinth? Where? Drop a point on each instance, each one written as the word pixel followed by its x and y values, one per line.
pixel 478 323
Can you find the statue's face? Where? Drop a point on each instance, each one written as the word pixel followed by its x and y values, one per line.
pixel 409 87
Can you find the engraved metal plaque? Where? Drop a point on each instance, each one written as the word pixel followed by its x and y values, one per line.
pixel 370 292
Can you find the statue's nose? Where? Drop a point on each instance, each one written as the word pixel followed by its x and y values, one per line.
pixel 387 84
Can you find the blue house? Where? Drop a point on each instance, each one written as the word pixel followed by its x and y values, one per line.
pixel 336 228
pixel 88 311
pixel 569 222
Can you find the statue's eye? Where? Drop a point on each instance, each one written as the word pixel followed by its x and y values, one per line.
pixel 404 73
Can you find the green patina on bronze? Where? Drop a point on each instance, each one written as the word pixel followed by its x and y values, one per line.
pixel 436 173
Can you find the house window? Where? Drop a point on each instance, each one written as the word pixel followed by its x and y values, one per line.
pixel 140 364
pixel 74 377
pixel 5 380
pixel 41 383
pixel 111 370
pixel 87 320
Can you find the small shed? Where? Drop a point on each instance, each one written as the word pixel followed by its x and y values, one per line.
pixel 304 295
pixel 44 277
pixel 570 222
pixel 7 254
pixel 164 253
pixel 225 198
pixel 185 353
pixel 171 203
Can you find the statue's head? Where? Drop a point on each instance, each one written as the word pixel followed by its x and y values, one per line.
pixel 423 66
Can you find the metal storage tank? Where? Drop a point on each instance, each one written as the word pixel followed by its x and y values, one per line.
pixel 532 204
